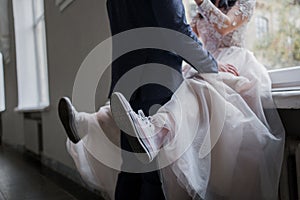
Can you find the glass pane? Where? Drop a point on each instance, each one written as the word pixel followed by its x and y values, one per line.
pixel 42 63
pixel 25 54
pixel 276 27
pixel 30 54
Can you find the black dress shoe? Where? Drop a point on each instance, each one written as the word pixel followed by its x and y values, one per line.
pixel 67 117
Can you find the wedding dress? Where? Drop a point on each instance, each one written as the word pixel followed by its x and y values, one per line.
pixel 245 162
pixel 228 138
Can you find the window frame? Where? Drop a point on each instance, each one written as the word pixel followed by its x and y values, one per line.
pixel 286 87
pixel 41 100
pixel 285 79
pixel 2 87
pixel 262 27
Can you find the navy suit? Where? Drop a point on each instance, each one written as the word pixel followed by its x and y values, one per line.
pixel 130 14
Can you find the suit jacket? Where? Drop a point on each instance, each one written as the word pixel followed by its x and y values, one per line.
pixel 130 14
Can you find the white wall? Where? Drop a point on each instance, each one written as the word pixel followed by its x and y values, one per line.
pixel 12 122
pixel 71 35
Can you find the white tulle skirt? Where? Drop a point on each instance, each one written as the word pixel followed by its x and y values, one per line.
pixel 228 138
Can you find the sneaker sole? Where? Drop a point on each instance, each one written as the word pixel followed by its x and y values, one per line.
pixel 120 111
pixel 66 117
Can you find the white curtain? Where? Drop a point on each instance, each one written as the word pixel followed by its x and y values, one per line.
pixel 4 31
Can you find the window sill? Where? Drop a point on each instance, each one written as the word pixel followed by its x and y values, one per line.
pixel 287 99
pixel 286 87
pixel 32 109
pixel 285 79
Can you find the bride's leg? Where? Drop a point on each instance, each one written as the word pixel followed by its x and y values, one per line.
pixel 77 124
pixel 164 128
pixel 149 131
pixel 153 132
pixel 83 128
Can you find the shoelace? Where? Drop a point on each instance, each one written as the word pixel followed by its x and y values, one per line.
pixel 146 120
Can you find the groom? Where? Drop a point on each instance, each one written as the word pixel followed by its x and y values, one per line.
pixel 130 14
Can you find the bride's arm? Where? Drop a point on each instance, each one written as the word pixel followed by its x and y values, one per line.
pixel 221 66
pixel 225 23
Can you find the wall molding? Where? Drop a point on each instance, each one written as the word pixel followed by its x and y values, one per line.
pixel 63 4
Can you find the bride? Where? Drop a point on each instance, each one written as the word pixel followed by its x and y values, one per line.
pixel 220 132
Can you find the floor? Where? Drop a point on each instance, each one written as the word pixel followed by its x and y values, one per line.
pixel 23 178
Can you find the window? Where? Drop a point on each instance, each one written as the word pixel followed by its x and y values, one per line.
pixel 2 93
pixel 190 9
pixel 192 12
pixel 261 24
pixel 276 27
pixel 276 24
pixel 31 55
pixel 273 35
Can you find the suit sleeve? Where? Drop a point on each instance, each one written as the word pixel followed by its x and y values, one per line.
pixel 170 14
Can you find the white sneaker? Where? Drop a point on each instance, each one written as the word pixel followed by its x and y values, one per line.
pixel 136 125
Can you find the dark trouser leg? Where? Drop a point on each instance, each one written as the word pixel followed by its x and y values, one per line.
pixel 129 184
pixel 142 186
pixel 151 187
pixel 137 186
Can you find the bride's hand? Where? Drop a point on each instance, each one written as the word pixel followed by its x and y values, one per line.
pixel 228 68
pixel 198 2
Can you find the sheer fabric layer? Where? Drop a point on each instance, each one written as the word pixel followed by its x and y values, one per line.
pixel 247 146
pixel 231 116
